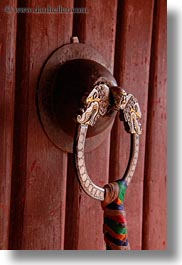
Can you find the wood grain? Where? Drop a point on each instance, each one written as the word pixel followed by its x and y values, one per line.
pixel 42 177
pixel 7 84
pixel 89 28
pixel 73 197
pixel 42 206
pixel 91 215
pixel 155 188
pixel 132 60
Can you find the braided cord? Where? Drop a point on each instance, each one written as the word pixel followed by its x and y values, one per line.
pixel 115 225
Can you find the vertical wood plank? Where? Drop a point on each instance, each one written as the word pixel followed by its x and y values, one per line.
pixel 73 197
pixel 7 77
pixel 132 59
pixel 19 141
pixel 96 28
pixel 155 189
pixel 91 215
pixel 43 183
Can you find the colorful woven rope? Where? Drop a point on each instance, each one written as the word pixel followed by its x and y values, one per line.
pixel 115 225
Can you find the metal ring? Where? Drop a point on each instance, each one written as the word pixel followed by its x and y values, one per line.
pixel 96 105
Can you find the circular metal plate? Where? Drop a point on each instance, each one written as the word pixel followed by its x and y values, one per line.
pixel 45 90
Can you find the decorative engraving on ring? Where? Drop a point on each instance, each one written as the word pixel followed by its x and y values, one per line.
pixel 96 104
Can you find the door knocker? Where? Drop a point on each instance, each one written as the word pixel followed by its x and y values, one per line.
pixel 99 101
pixel 78 93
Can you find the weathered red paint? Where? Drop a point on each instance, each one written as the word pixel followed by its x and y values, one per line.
pixel 155 184
pixel 38 184
pixel 132 59
pixel 7 88
pixel 44 188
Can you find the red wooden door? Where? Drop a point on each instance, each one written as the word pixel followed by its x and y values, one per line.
pixel 41 203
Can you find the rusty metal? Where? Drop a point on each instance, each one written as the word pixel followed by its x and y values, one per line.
pixel 67 76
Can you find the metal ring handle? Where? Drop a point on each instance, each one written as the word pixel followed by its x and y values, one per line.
pixel 98 102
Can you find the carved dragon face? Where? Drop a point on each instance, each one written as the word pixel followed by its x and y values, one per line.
pixel 130 107
pixel 97 102
pixel 132 114
pixel 96 105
